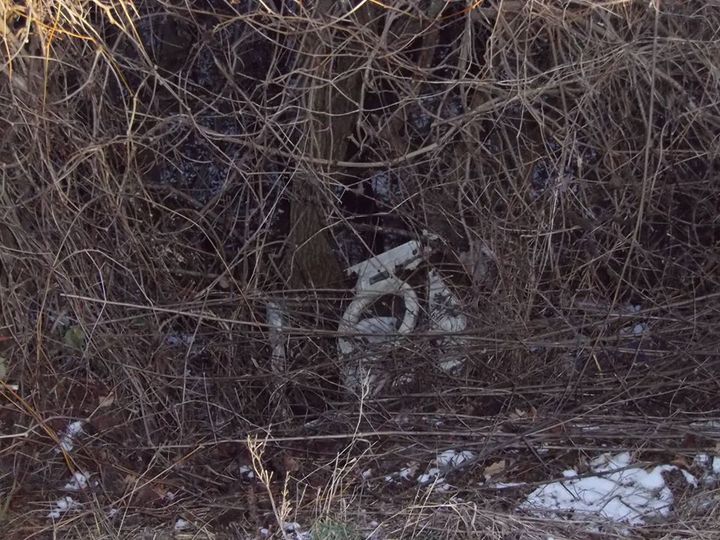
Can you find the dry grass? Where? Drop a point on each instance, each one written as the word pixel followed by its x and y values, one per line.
pixel 150 155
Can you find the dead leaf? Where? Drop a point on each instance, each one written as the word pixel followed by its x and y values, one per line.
pixel 291 464
pixel 74 337
pixel 494 469
pixel 106 401
pixel 680 461
pixel 479 263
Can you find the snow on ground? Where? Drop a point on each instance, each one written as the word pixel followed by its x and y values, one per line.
pixel 381 186
pixel 294 531
pixel 61 506
pixel 617 492
pixel 78 482
pixel 710 465
pixel 444 463
pixel 246 472
pixel 451 459
pixel 69 435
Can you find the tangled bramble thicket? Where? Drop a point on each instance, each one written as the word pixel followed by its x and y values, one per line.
pixel 167 169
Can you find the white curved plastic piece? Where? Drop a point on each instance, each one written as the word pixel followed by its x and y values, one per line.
pixel 446 318
pixel 366 298
pixel 377 278
pixel 356 370
pixel 444 307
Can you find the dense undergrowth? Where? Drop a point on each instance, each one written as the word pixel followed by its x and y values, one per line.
pixel 167 169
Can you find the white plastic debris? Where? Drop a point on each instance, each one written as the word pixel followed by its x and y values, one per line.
pixel 181 524
pixel 445 318
pixel 378 277
pixel 617 492
pixel 275 318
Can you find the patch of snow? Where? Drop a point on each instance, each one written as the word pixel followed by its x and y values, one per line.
pixel 78 483
pixel 618 492
pixel 640 329
pixel 69 435
pixel 380 183
pixel 689 478
pixel 451 459
pixel 707 427
pixel 506 485
pixel 246 472
pixel 181 524
pixel 294 531
pixel 407 473
pixel 176 340
pixel 62 506
pixel 608 462
pixel 710 466
pixel 432 475
pixel 403 380
pixel 444 462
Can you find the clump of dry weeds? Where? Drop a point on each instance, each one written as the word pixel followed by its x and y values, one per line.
pixel 167 169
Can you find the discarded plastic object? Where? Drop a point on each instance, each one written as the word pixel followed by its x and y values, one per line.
pixel 445 318
pixel 275 315
pixel 377 277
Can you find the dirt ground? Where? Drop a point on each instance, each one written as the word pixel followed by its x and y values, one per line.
pixel 170 169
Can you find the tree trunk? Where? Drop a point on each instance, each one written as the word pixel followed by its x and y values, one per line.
pixel 333 84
